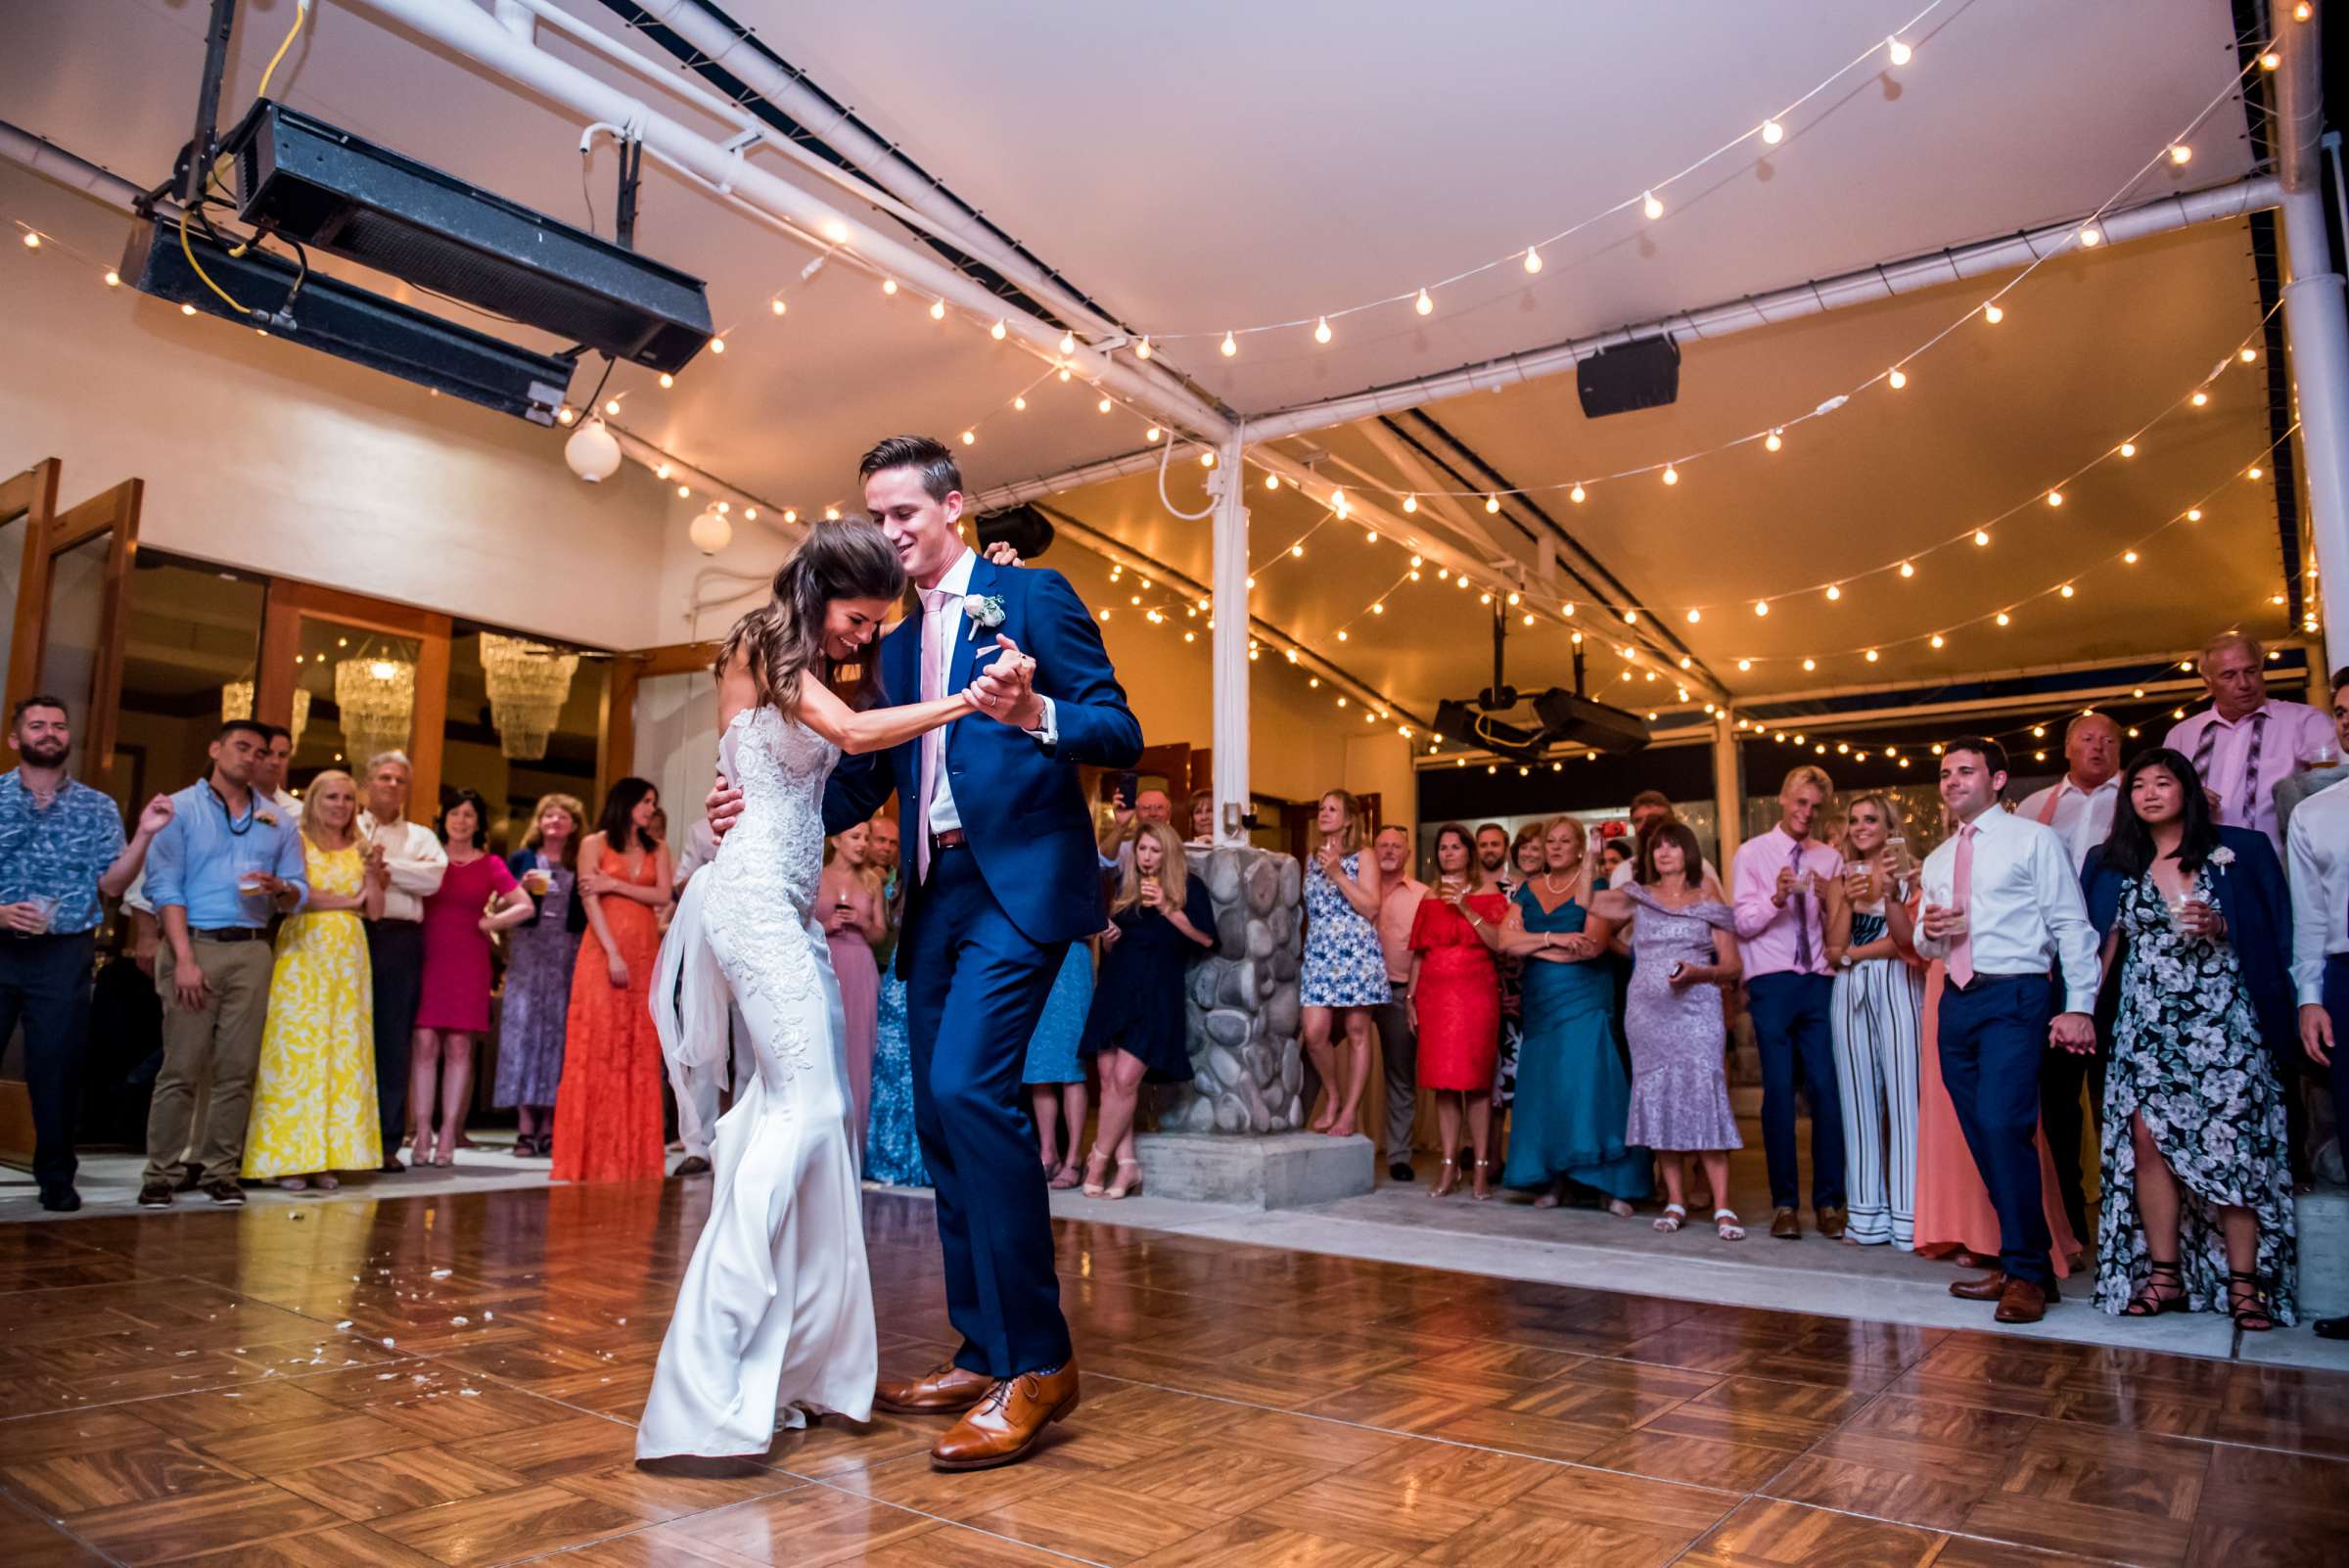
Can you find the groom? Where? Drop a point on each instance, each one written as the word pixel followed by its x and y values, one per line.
pixel 1003 871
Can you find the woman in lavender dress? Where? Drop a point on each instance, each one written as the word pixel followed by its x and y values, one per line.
pixel 539 956
pixel 1685 948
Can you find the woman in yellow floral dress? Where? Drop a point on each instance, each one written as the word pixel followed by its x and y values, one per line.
pixel 313 1094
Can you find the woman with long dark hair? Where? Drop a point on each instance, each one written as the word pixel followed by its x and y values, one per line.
pixel 2196 1212
pixel 775 1314
pixel 1454 998
pixel 477 899
pixel 608 1106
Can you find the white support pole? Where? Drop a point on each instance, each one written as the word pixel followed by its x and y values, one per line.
pixel 1229 643
pixel 1729 790
pixel 2316 331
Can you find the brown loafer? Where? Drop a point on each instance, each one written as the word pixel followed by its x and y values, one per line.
pixel 1785 1226
pixel 1990 1287
pixel 2022 1301
pixel 1831 1223
pixel 943 1389
pixel 1006 1425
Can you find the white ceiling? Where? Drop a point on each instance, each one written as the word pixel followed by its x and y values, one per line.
pixel 1222 163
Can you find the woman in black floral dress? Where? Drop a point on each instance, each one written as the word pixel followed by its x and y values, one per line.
pixel 2198 1207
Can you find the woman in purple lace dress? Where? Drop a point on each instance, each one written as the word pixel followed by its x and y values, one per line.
pixel 1685 949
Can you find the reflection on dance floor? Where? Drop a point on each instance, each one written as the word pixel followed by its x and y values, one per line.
pixel 453 1380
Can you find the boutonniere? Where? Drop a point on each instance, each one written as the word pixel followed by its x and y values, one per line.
pixel 266 818
pixel 984 613
pixel 2222 857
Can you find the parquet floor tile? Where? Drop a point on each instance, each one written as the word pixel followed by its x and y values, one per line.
pixel 451 1382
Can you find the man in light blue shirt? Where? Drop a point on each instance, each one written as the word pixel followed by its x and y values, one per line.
pixel 230 861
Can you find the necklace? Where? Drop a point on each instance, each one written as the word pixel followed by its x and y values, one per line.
pixel 235 831
pixel 1550 883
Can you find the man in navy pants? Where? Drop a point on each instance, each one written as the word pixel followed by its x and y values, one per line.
pixel 2002 904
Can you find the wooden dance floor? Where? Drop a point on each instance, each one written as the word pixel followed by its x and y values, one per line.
pixel 453 1380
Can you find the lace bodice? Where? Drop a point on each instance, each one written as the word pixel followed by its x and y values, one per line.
pixel 777 846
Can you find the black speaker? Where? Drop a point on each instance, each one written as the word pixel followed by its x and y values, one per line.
pixel 1584 722
pixel 1024 528
pixel 1645 374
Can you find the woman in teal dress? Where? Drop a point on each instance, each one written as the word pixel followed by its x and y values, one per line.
pixel 1573 1095
pixel 892 1152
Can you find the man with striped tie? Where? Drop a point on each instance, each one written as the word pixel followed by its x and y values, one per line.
pixel 2246 742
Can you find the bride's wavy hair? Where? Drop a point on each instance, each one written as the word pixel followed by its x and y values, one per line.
pixel 783 640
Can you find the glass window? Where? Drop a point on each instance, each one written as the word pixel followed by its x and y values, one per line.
pixel 195 632
pixel 12 582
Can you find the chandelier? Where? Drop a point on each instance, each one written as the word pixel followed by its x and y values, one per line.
pixel 377 700
pixel 527 684
pixel 236 702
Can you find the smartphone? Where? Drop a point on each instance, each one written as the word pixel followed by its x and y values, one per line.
pixel 1130 787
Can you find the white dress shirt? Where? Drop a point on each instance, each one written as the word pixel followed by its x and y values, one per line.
pixel 416 859
pixel 946 627
pixel 701 848
pixel 2025 912
pixel 2316 860
pixel 2082 819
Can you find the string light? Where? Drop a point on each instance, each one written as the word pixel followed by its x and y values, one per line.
pixel 1981 537
pixel 1533 259
pixel 1994 314
pixel 1773 132
pixel 2055 498
pixel 114 279
pixel 667 380
pixel 1231 345
pixel 1897 51
pixel 1772 442
pixel 999 331
pixel 1424 304
pixel 32 240
pixel 1650 206
pixel 1321 331
pixel 1896 379
pixel 1576 495
pixel 1907 569
pixel 1671 475
pixel 2181 155
pixel 1410 503
pixel 1068 343
pixel 777 305
pixel 2127 448
pixel 2248 355
pixel 1141 350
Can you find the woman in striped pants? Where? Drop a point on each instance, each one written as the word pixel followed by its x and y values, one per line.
pixel 1876 1017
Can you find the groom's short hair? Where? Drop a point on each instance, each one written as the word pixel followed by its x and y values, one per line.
pixel 941 475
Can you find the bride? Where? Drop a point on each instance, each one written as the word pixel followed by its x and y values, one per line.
pixel 775 1314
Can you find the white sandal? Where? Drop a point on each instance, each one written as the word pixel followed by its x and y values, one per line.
pixel 1671 1218
pixel 1726 1222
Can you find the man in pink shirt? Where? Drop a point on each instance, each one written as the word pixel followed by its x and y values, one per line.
pixel 1779 893
pixel 1398 905
pixel 2246 742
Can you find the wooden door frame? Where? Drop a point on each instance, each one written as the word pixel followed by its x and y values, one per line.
pixel 32 496
pixel 49 533
pixel 290 602
pixel 616 741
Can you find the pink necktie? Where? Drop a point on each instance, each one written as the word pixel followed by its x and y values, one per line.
pixel 934 603
pixel 1961 894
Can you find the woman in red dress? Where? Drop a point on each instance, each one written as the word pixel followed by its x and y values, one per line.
pixel 1454 998
pixel 608 1106
pixel 476 897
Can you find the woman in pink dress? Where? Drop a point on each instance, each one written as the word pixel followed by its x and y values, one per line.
pixel 1954 1216
pixel 855 923
pixel 477 899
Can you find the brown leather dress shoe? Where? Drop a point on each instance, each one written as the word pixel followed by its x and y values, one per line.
pixel 1008 1423
pixel 1831 1223
pixel 943 1389
pixel 1785 1226
pixel 2022 1301
pixel 1990 1287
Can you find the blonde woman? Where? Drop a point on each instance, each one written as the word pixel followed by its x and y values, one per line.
pixel 1878 1020
pixel 313 1091
pixel 1159 921
pixel 536 1005
pixel 1345 970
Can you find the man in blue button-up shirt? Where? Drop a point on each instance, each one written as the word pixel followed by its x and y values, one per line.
pixel 60 848
pixel 229 862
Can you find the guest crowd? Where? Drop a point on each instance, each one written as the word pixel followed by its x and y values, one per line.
pixel 2162 939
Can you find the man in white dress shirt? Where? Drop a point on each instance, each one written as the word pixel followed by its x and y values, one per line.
pixel 2246 742
pixel 408 860
pixel 2316 862
pixel 2001 901
pixel 2078 807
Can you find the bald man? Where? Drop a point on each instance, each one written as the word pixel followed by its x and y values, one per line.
pixel 2079 805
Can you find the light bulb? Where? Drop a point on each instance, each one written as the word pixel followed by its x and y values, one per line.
pixel 1067 343
pixel 1533 259
pixel 1630 617
pixel 660 471
pixel 1272 482
pixel 565 414
pixel 684 491
pixel 1650 206
pixel 1410 503
pixel 776 305
pixel 1424 304
pixel 189 311
pixel 1872 656
pixel 1152 434
pixel 1809 664
pixel 1834 592
pixel 1771 443
pixel 1936 639
pixel 970 437
pixel 1141 350
pixel 2003 619
pixel 2091 236
pixel 999 332
pixel 1105 405
pixel 2068 590
pixel 938 311
pixel 750 514
pixel 1671 475
pixel 2127 448
pixel 1981 537
pixel 2248 355
pixel 1321 330
pixel 1297 551
pixel 831 514
pixel 836 231
pixel 1761 607
pixel 1897 51
pixel 1696 616
pixel 710 532
pixel 2193 513
pixel 1773 132
pixel 2055 498
pixel 1231 345
pixel 717 345
pixel 2303 11
pixel 2181 154
pixel 1907 569
pixel 1492 504
pixel 1516 599
pixel 790 514
pixel 1898 379
pixel 32 240
pixel 2254 472
pixel 1208 460
pixel 612 409
pixel 1576 495
pixel 2269 60
pixel 1745 664
pixel 2129 556
pixel 1019 405
pixel 114 279
pixel 1994 314
pixel 1379 608
pixel 667 380
pixel 888 286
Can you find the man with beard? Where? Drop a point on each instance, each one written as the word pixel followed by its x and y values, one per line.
pixel 1494 874
pixel 61 850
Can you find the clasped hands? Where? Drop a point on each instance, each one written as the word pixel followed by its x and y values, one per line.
pixel 1005 690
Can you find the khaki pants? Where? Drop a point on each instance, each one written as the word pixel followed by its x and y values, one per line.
pixel 222 1042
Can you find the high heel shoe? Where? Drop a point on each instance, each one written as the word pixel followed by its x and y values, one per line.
pixel 1481 1186
pixel 1126 1186
pixel 1447 1182
pixel 1096 1164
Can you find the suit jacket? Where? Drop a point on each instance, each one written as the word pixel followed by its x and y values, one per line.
pixel 1024 815
pixel 2259 924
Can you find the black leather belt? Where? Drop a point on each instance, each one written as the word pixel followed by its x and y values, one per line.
pixel 229 934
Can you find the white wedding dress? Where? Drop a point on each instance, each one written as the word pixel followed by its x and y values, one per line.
pixel 775 1314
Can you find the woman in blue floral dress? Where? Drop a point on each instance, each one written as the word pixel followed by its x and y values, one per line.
pixel 893 1151
pixel 2197 1201
pixel 1345 970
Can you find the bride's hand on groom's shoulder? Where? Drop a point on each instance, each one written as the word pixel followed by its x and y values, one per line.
pixel 1003 554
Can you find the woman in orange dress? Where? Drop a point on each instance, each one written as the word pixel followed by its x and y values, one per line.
pixel 1454 998
pixel 608 1106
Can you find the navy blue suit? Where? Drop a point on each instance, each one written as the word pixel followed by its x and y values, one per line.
pixel 984 938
